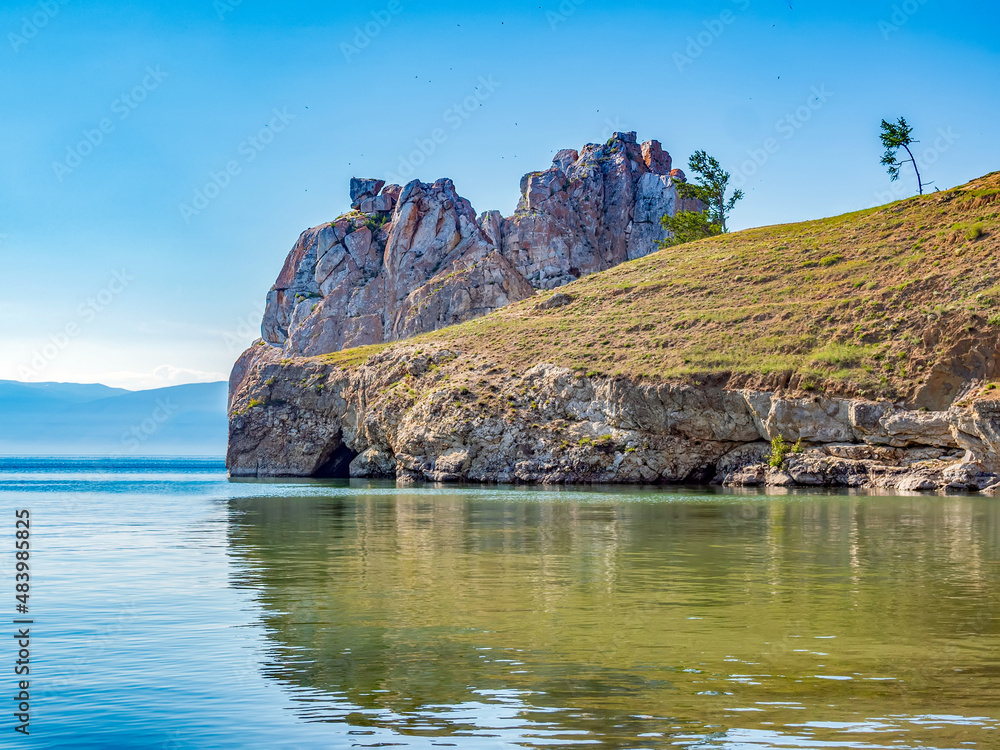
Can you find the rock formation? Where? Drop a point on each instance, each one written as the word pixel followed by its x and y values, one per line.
pixel 463 406
pixel 440 415
pixel 412 259
pixel 591 211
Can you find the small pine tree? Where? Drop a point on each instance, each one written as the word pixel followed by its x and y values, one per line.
pixel 688 226
pixel 710 188
pixel 712 183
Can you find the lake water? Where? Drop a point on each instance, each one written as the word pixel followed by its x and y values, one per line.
pixel 174 609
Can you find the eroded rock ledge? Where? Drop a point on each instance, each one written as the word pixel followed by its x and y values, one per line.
pixel 445 416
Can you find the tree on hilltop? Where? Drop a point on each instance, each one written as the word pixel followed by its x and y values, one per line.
pixel 899 135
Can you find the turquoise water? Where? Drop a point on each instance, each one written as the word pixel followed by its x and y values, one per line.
pixel 174 609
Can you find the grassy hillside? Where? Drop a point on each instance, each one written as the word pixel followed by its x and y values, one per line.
pixel 865 304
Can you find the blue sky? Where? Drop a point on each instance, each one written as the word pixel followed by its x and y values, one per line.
pixel 117 114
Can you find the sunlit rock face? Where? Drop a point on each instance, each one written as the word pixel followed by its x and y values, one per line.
pixel 592 210
pixel 415 258
pixel 415 261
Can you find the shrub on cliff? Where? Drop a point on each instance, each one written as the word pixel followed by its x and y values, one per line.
pixel 780 450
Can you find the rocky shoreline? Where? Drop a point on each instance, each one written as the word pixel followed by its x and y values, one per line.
pixel 445 416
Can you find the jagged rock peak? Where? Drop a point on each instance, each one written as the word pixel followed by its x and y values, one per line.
pixel 407 260
pixel 592 210
pixel 414 258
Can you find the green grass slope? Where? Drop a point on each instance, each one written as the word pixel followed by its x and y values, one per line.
pixel 876 303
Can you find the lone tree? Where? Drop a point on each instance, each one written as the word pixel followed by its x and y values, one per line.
pixel 710 188
pixel 899 135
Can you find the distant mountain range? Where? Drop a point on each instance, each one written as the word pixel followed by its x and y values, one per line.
pixel 95 420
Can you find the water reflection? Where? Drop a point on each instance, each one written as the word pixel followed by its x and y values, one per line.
pixel 630 619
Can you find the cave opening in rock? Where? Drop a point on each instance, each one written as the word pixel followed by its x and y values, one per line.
pixel 338 465
pixel 703 475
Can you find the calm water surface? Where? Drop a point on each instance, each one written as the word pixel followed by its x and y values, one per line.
pixel 175 609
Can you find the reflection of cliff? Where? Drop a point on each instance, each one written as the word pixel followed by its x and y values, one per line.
pixel 399 603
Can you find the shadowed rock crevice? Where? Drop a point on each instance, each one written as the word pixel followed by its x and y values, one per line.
pixel 337 465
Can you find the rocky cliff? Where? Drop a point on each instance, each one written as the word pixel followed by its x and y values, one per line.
pixel 868 343
pixel 411 259
pixel 440 415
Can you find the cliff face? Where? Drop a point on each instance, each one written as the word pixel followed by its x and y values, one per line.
pixel 412 259
pixel 416 261
pixel 440 415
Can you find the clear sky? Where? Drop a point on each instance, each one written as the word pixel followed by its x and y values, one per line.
pixel 160 158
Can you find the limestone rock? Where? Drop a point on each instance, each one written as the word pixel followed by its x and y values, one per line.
pixel 464 290
pixel 976 429
pixel 738 459
pixel 556 300
pixel 656 159
pixel 491 222
pixel 442 415
pixel 374 463
pixel 565 159
pixel 818 420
